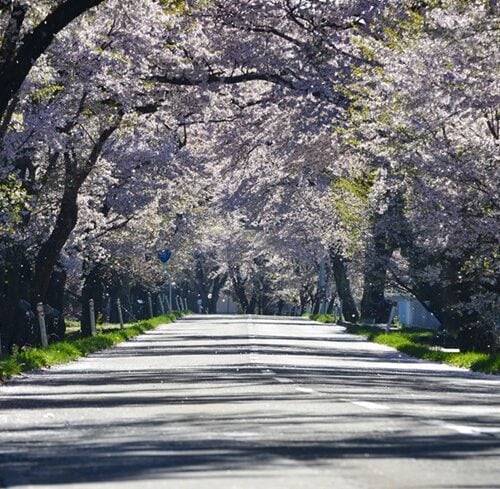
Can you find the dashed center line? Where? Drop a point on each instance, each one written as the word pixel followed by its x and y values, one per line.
pixel 307 390
pixel 373 406
pixel 470 430
pixel 283 381
pixel 239 434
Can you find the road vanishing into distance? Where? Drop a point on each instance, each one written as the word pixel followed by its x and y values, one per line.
pixel 251 402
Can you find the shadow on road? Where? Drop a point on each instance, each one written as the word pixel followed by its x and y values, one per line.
pixel 232 416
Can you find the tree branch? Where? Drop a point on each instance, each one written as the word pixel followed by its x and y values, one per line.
pixel 227 80
pixel 14 71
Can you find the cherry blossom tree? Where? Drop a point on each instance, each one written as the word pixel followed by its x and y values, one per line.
pixel 426 124
pixel 72 88
pixel 261 142
pixel 28 29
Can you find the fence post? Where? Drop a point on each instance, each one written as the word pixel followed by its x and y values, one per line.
pixel 93 331
pixel 150 305
pixel 120 315
pixel 177 303
pixel 162 307
pixel 169 304
pixel 41 322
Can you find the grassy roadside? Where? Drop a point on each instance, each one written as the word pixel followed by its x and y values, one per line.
pixel 419 343
pixel 71 349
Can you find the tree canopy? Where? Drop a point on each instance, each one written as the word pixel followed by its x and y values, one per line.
pixel 266 143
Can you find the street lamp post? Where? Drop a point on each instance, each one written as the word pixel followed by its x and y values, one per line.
pixel 164 256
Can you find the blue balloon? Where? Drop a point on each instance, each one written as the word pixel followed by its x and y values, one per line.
pixel 164 255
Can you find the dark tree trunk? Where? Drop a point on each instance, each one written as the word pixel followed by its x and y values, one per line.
pixel 201 283
pixel 374 307
pixel 304 299
pixel 349 309
pixel 217 284
pixel 55 298
pixel 262 289
pixel 49 252
pixel 68 214
pixel 93 288
pixel 57 286
pixel 316 303
pixel 331 305
pixel 252 305
pixel 15 69
pixel 14 287
pixel 390 231
pixel 239 290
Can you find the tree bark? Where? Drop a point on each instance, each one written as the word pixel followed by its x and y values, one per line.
pixel 67 217
pixel 217 284
pixel 12 289
pixel 49 251
pixel 252 304
pixel 239 289
pixel 349 309
pixel 93 288
pixel 390 231
pixel 373 303
pixel 16 68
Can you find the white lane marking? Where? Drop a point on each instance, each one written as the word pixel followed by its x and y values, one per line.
pixel 373 406
pixel 469 430
pixel 283 381
pixel 239 434
pixel 305 389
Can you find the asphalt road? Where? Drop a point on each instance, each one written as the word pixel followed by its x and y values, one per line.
pixel 245 402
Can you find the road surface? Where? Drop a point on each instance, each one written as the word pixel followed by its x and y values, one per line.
pixel 251 402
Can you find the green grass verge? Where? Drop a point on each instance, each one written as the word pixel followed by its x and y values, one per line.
pixel 66 351
pixel 321 318
pixel 419 343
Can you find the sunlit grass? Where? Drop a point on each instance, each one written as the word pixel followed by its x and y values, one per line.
pixel 71 349
pixel 419 344
pixel 322 318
